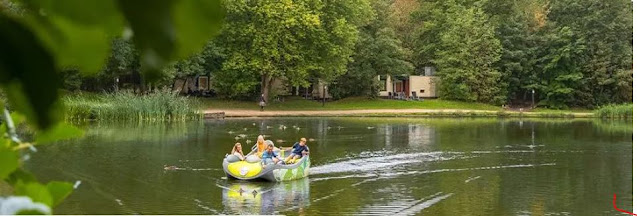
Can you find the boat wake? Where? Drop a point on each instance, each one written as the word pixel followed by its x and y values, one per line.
pixel 395 174
pixel 377 162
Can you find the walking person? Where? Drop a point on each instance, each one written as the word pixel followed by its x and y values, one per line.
pixel 262 102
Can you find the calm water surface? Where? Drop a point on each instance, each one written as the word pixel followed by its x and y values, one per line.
pixel 376 166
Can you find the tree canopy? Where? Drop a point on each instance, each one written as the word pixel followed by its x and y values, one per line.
pixel 570 53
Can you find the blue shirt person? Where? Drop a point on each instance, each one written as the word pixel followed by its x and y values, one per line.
pixel 298 149
pixel 269 156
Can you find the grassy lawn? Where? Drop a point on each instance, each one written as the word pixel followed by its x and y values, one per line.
pixel 353 103
pixel 298 103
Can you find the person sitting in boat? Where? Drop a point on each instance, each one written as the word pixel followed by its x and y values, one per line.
pixel 298 150
pixel 261 146
pixel 237 151
pixel 269 156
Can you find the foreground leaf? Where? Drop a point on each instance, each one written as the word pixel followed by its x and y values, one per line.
pixel 165 30
pixel 27 74
pixel 59 191
pixel 20 175
pixel 8 162
pixel 61 131
pixel 102 13
pixel 76 33
pixel 196 21
pixel 17 118
pixel 36 191
pixel 73 45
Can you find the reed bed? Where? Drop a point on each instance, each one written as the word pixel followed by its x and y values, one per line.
pixel 159 105
pixel 615 111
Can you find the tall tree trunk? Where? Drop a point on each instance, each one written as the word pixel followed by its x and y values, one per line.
pixel 183 86
pixel 116 84
pixel 270 84
pixel 265 86
pixel 142 84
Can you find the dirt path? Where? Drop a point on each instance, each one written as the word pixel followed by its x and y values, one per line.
pixel 369 112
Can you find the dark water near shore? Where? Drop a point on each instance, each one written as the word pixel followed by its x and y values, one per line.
pixel 372 166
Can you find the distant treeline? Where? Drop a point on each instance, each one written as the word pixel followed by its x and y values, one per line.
pixel 571 53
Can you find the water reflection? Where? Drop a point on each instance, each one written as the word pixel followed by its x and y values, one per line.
pixel 413 135
pixel 239 197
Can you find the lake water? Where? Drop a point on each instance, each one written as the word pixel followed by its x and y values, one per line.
pixel 370 166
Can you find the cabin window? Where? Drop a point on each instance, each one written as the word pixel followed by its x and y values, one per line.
pixel 422 91
pixel 430 71
pixel 203 83
pixel 383 83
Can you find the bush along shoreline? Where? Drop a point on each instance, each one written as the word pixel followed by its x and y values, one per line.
pixel 615 111
pixel 157 105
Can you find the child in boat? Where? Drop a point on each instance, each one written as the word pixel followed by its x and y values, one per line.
pixel 261 146
pixel 237 151
pixel 269 156
pixel 298 150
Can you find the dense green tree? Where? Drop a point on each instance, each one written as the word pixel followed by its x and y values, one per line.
pixel 400 16
pixel 560 74
pixel 123 61
pixel 466 57
pixel 191 66
pixel 518 24
pixel 605 30
pixel 266 40
pixel 379 51
pixel 571 53
pixel 71 79
pixel 430 19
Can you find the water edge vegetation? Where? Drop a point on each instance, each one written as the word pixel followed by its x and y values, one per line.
pixel 158 105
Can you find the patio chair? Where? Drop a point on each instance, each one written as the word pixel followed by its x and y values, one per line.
pixel 403 96
pixel 415 97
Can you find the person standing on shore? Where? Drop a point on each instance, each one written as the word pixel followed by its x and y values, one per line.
pixel 262 102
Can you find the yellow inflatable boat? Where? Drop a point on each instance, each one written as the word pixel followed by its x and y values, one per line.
pixel 251 168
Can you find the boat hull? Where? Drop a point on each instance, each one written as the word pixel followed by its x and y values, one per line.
pixel 244 170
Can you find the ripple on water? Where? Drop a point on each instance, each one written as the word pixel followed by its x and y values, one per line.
pixel 403 206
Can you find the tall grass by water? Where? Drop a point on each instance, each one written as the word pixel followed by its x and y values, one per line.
pixel 159 105
pixel 615 111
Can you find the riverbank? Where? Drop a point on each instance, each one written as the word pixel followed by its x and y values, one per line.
pixel 215 113
pixel 162 105
pixel 352 103
pixel 361 107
